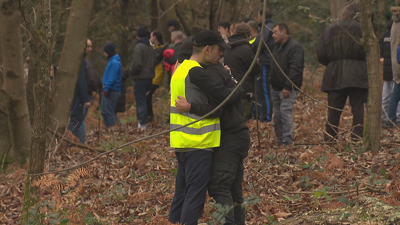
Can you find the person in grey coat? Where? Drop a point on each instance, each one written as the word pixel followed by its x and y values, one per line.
pixel 142 73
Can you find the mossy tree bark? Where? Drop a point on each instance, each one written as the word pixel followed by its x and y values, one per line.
pixel 372 129
pixel 70 62
pixel 13 84
pixel 5 142
pixel 42 39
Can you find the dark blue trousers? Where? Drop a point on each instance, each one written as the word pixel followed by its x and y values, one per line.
pixel 140 89
pixel 194 170
pixel 77 115
pixel 264 102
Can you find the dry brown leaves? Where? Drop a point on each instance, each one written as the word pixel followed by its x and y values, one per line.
pixel 136 185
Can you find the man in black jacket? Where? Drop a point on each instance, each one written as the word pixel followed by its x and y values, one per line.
pixel 263 85
pixel 239 59
pixel 341 51
pixel 289 55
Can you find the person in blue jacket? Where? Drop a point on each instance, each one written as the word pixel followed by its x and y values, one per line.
pixel 111 85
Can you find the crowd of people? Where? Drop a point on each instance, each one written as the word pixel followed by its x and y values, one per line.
pixel 204 69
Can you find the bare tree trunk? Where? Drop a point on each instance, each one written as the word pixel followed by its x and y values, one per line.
pixel 124 51
pixel 182 20
pixel 166 8
pixel 381 9
pixel 372 130
pixel 214 14
pixel 70 62
pixel 42 39
pixel 336 7
pixel 154 14
pixel 57 28
pixel 32 75
pixel 5 141
pixel 228 10
pixel 201 15
pixel 13 86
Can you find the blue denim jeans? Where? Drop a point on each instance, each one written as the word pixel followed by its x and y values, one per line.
pixel 82 128
pixel 108 107
pixel 77 116
pixel 394 100
pixel 140 88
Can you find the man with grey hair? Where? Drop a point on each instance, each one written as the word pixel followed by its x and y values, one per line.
pixel 341 51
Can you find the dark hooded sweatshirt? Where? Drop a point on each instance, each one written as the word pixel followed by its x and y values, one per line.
pixel 239 59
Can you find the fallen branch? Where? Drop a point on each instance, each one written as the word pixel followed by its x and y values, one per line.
pixel 368 188
pixel 73 143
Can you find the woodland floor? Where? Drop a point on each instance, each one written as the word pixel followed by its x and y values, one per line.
pixel 135 185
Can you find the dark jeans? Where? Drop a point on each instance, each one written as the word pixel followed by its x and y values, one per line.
pixel 108 107
pixel 227 174
pixel 141 87
pixel 149 99
pixel 263 89
pixel 394 100
pixel 82 128
pixel 77 116
pixel 193 174
pixel 337 99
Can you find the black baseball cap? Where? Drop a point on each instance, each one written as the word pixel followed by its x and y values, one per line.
pixel 173 23
pixel 207 37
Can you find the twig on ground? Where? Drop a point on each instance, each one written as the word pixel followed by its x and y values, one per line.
pixel 72 143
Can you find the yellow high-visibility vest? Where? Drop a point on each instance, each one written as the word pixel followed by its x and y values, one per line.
pixel 252 40
pixel 203 134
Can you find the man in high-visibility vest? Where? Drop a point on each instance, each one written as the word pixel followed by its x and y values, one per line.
pixel 194 144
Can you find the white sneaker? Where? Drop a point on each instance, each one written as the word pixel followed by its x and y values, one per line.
pixel 141 128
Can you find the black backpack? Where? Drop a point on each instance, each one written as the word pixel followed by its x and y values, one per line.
pixel 93 80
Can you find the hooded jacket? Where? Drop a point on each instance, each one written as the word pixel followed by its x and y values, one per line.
pixel 290 58
pixel 265 56
pixel 239 59
pixel 113 74
pixel 340 50
pixel 395 42
pixel 143 60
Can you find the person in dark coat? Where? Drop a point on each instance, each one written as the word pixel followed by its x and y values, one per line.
pixel 388 82
pixel 80 102
pixel 239 59
pixel 142 73
pixel 289 56
pixel 94 84
pixel 341 51
pixel 263 85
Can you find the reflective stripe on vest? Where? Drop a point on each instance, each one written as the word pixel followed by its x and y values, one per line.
pixel 203 134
